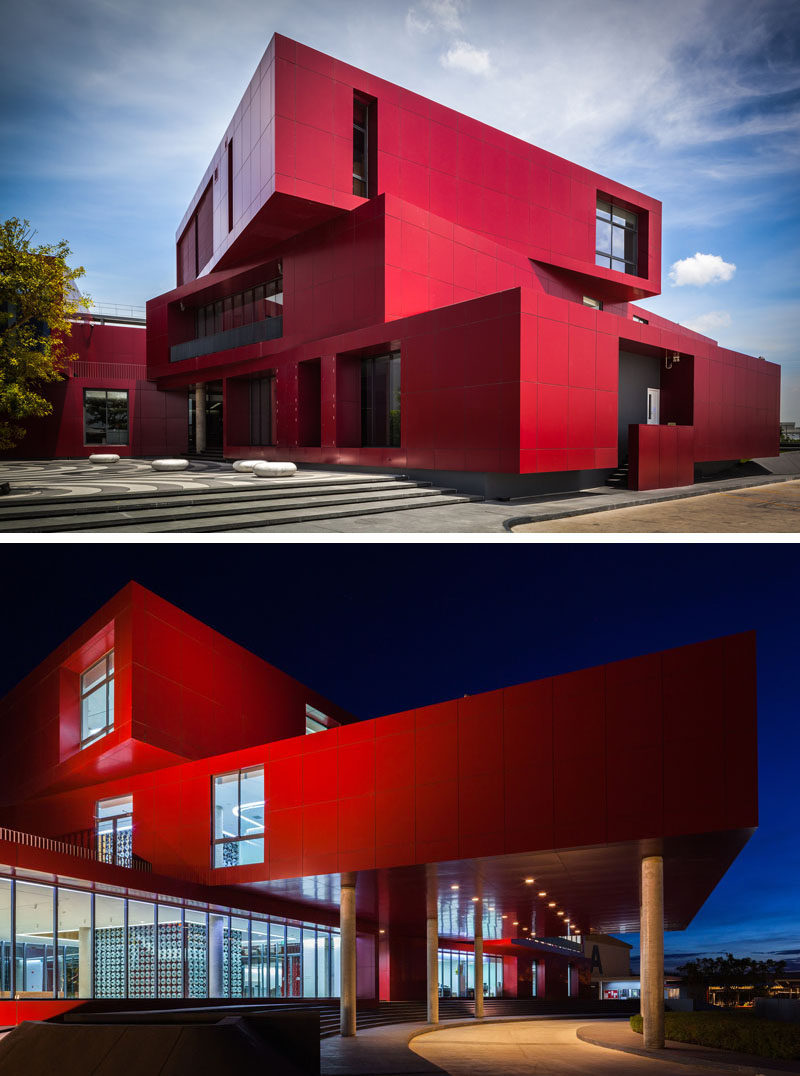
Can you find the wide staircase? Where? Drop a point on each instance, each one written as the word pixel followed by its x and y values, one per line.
pixel 380 1015
pixel 303 499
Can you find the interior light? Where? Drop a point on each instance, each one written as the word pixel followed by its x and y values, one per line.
pixel 505 917
pixel 542 892
pixel 552 904
pixel 515 923
pixel 529 881
pixel 475 899
pixel 559 913
pixel 454 887
pixel 381 931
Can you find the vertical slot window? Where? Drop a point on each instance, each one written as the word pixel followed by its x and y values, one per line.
pixel 360 147
pixel 230 185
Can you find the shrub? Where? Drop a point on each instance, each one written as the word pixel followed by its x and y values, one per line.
pixel 742 1032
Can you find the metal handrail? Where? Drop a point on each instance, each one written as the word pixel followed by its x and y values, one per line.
pixel 80 844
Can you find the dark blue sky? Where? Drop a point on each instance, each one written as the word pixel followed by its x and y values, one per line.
pixel 384 627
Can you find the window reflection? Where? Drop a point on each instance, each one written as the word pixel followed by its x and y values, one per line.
pixel 105 417
pixel 616 243
pixel 238 824
pixel 457 974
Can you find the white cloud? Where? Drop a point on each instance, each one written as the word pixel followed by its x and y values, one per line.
pixel 444 14
pixel 699 270
pixel 709 323
pixel 416 24
pixel 461 56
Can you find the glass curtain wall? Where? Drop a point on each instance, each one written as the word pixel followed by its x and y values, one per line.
pixel 457 974
pixel 170 951
pixel 110 957
pixel 112 947
pixel 6 940
pixel 141 950
pixel 74 942
pixel 34 958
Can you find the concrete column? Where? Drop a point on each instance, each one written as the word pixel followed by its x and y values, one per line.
pixel 433 969
pixel 84 962
pixel 199 418
pixel 478 961
pixel 347 927
pixel 652 978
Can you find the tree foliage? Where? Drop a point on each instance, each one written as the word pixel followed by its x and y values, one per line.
pixel 37 298
pixel 728 973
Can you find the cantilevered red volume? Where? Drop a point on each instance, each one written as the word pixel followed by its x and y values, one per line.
pixel 368 278
pixel 152 767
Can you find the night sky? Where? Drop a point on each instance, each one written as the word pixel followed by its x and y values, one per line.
pixel 380 628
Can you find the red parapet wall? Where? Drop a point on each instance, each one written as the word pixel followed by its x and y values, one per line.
pixel 660 457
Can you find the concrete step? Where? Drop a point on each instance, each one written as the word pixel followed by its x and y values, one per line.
pixel 59 507
pixel 234 514
pixel 297 514
pixel 273 485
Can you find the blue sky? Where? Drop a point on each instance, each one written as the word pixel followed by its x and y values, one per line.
pixel 111 111
pixel 384 628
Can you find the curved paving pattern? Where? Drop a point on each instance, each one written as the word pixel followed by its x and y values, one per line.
pixel 129 497
pixel 519 1048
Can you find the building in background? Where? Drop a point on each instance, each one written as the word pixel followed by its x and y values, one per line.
pixel 104 400
pixel 180 819
pixel 369 279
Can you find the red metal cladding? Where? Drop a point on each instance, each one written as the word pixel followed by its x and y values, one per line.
pixel 534 799
pixel 472 256
pixel 549 764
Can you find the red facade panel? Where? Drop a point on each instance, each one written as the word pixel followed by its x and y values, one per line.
pixel 458 211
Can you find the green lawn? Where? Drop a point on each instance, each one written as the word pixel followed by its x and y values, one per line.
pixel 738 1031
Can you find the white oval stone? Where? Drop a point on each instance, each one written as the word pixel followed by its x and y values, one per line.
pixel 170 465
pixel 99 457
pixel 245 465
pixel 273 469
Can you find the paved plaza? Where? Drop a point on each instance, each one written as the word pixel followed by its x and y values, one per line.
pixel 130 497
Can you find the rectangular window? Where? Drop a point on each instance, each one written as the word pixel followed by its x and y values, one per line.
pixel 595 304
pixel 316 721
pixel 642 321
pixel 113 826
pixel 380 400
pixel 97 700
pixel 360 147
pixel 105 417
pixel 617 240
pixel 238 824
pixel 255 304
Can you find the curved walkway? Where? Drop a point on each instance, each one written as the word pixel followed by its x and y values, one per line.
pixel 544 1047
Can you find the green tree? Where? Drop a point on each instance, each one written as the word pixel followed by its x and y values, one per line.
pixel 37 298
pixel 729 974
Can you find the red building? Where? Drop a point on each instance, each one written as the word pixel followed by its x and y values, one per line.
pixel 182 819
pixel 369 279
pixel 104 401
